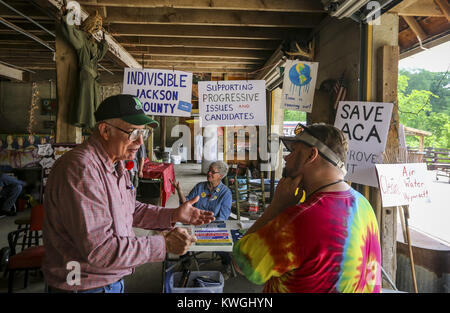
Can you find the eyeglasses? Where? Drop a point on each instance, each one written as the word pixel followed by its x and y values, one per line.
pixel 135 133
pixel 211 171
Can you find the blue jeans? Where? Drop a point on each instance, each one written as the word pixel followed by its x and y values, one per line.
pixel 117 287
pixel 12 188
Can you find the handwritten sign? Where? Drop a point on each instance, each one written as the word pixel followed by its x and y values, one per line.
pixel 161 92
pixel 299 83
pixel 366 126
pixel 45 150
pixel 403 184
pixel 232 102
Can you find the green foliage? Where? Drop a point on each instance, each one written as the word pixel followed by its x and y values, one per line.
pixel 436 82
pixel 290 115
pixel 416 111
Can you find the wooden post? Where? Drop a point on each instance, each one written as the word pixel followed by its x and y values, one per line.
pixel 421 139
pixel 236 188
pixel 163 133
pixel 150 145
pixel 387 65
pixel 66 84
pixel 411 257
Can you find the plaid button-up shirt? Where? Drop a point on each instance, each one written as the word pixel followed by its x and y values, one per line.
pixel 90 211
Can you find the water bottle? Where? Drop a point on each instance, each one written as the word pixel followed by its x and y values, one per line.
pixel 253 203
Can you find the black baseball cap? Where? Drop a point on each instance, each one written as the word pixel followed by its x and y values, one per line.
pixel 126 107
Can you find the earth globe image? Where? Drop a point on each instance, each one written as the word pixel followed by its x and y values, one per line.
pixel 300 75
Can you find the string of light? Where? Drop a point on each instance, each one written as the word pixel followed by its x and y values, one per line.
pixel 33 107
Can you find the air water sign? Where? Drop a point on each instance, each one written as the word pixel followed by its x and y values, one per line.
pixel 299 83
pixel 403 184
pixel 161 92
pixel 232 102
pixel 366 126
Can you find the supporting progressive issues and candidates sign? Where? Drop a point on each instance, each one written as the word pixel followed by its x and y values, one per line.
pixel 366 126
pixel 232 102
pixel 403 184
pixel 161 92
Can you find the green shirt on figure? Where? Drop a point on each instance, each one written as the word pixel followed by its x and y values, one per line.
pixel 88 92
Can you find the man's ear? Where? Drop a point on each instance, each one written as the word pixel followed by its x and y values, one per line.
pixel 313 155
pixel 104 131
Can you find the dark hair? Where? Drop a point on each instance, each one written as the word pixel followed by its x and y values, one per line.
pixel 332 137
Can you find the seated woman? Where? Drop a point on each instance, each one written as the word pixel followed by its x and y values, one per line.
pixel 214 195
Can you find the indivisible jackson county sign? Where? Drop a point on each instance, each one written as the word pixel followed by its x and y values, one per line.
pixel 161 92
pixel 299 83
pixel 366 126
pixel 403 184
pixel 232 103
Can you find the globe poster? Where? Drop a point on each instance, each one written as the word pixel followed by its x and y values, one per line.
pixel 299 83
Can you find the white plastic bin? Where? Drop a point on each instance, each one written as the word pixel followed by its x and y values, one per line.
pixel 175 278
pixel 176 159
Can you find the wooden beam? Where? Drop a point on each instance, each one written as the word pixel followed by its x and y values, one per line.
pixel 444 6
pixel 271 63
pixel 387 78
pixel 23 32
pixel 11 73
pixel 248 5
pixel 5 43
pixel 416 132
pixel 23 48
pixel 187 59
pixel 204 31
pixel 415 27
pixel 120 53
pixel 218 65
pixel 199 43
pixel 10 32
pixel 408 51
pixel 207 70
pixel 67 77
pixel 199 52
pixel 417 8
pixel 202 17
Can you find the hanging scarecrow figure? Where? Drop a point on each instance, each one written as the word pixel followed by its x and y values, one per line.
pixel 89 53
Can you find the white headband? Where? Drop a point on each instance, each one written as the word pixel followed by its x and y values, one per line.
pixel 326 152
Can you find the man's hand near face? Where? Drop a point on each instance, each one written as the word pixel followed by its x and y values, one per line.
pixel 287 194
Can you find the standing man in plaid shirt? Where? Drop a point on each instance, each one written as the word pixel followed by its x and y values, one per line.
pixel 91 208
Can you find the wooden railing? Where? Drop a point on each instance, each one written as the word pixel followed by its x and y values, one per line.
pixel 438 159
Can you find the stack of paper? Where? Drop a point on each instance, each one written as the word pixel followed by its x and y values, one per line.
pixel 213 237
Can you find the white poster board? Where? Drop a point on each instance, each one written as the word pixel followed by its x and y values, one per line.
pixel 403 184
pixel 232 102
pixel 161 92
pixel 366 126
pixel 299 84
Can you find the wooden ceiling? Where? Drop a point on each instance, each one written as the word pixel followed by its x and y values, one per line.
pixel 213 36
pixel 427 20
pixel 236 37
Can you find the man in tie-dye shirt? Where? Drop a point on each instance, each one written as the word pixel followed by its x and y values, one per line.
pixel 328 243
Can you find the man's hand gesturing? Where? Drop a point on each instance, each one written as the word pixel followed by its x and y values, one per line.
pixel 188 214
pixel 178 241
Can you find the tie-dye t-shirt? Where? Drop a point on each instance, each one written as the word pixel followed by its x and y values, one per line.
pixel 330 243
